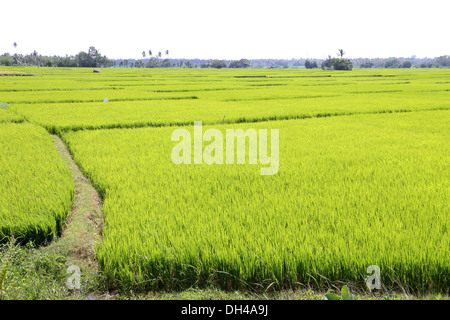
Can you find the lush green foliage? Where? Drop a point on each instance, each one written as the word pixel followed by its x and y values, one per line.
pixel 351 192
pixel 36 189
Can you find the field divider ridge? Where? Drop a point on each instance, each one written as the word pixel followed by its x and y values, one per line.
pixel 53 129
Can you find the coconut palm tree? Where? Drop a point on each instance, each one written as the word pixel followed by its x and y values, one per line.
pixel 143 54
pixel 150 53
pixel 15 46
pixel 35 55
pixel 341 52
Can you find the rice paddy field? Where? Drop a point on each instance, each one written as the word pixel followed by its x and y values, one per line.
pixel 363 173
pixel 36 189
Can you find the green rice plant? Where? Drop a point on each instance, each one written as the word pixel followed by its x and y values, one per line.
pixel 76 116
pixel 63 100
pixel 7 115
pixel 36 189
pixel 350 192
pixel 370 189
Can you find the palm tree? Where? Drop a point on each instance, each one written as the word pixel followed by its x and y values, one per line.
pixel 150 53
pixel 15 46
pixel 143 54
pixel 341 52
pixel 159 54
pixel 167 52
pixel 35 55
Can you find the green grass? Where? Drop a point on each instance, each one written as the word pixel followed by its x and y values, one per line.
pixel 351 192
pixel 36 189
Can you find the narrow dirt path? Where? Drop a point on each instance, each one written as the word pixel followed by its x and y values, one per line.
pixel 83 228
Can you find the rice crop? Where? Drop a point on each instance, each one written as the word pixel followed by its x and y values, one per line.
pixel 36 189
pixel 350 192
pixel 72 99
pixel 7 116
pixel 363 177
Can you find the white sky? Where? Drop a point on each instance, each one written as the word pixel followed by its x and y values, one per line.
pixel 230 29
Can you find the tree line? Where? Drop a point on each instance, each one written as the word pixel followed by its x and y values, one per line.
pixel 92 58
pixel 155 62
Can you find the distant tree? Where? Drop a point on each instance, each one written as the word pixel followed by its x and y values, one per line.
pixel 94 54
pixel 366 65
pixel 406 64
pixel 143 54
pixel 92 59
pixel 6 60
pixel 153 63
pixel 83 60
pixel 341 64
pixel 165 63
pixel 337 63
pixel 149 53
pixel 310 64
pixel 243 63
pixel 234 64
pixel 18 59
pixel 443 61
pixel 218 64
pixel 307 64
pixel 425 65
pixel 392 63
pixel 206 65
pixel 159 54
pixel 327 64
pixel 35 55
pixel 167 52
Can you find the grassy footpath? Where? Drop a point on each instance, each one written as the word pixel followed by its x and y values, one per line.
pixel 41 273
